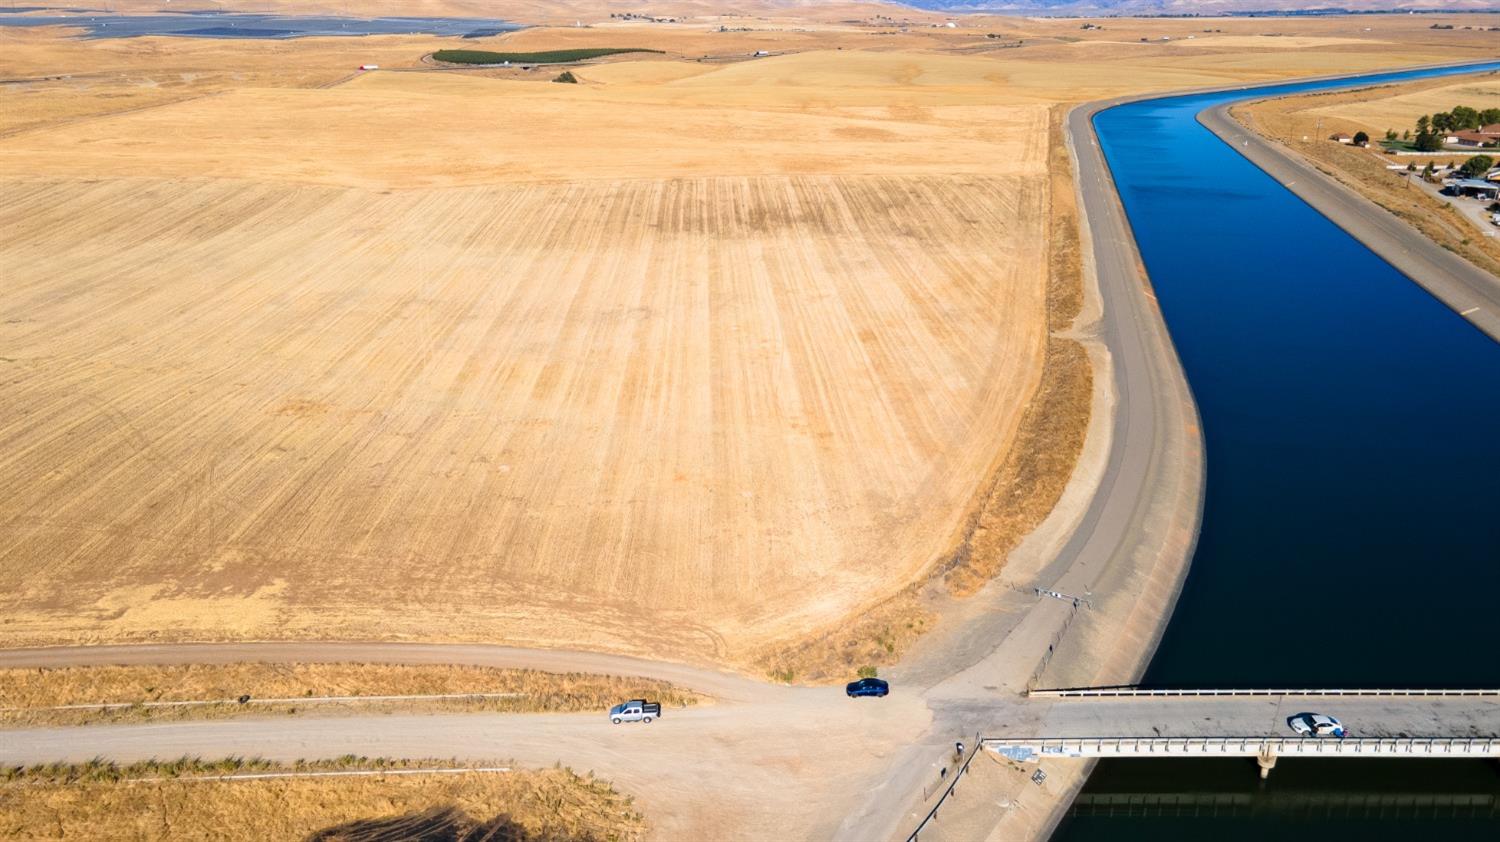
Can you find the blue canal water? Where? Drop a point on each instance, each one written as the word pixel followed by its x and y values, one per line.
pixel 1351 529
pixel 234 25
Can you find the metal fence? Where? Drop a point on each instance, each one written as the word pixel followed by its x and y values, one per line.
pixel 963 769
pixel 1057 638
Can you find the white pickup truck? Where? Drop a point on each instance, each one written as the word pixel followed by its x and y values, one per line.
pixel 635 710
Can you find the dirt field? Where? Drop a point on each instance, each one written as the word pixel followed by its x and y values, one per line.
pixel 689 360
pixel 507 399
pixel 34 696
pixel 161 801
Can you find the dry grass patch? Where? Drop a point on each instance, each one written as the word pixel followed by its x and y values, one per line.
pixel 27 694
pixel 1021 491
pixel 1031 480
pixel 175 800
pixel 1398 106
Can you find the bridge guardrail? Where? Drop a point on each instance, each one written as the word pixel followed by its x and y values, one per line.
pixel 1026 749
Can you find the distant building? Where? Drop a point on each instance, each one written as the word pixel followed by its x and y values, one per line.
pixel 1492 130
pixel 1470 139
pixel 1476 187
pixel 1342 137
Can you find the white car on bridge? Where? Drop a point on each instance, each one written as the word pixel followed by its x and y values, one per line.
pixel 1316 725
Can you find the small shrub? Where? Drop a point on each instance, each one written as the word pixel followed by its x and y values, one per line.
pixel 868 672
pixel 567 78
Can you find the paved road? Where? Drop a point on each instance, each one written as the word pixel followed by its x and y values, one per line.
pixel 1472 292
pixel 1409 716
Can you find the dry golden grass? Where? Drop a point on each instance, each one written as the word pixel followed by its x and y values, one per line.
pixel 30 696
pixel 102 803
pixel 1398 106
pixel 735 405
pixel 1290 119
pixel 1021 491
pixel 1031 480
pixel 685 361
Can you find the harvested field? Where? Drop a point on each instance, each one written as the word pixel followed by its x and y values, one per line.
pixel 164 801
pixel 551 410
pixel 689 361
pixel 33 696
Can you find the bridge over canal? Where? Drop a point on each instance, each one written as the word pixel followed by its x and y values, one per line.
pixel 1129 722
pixel 1096 722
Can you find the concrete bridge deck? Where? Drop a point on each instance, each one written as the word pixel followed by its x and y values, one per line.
pixel 1222 723
pixel 1218 716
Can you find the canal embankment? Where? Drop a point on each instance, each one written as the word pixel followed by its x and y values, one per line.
pixel 1469 290
pixel 1158 454
pixel 1335 396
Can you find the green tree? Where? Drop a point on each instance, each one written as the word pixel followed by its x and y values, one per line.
pixel 1424 124
pixel 1390 134
pixel 1361 139
pixel 1428 142
pixel 1442 122
pixel 1489 115
pixel 1464 117
pixel 1476 166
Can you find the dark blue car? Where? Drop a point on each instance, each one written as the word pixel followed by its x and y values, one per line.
pixel 867 687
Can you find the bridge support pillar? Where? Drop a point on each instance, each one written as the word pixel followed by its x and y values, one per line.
pixel 1266 760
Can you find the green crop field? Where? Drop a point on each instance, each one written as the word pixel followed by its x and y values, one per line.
pixel 543 57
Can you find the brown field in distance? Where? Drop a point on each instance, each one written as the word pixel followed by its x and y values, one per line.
pixel 688 360
pixel 1398 106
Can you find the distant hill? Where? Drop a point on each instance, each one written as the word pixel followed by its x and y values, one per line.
pixel 1197 7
